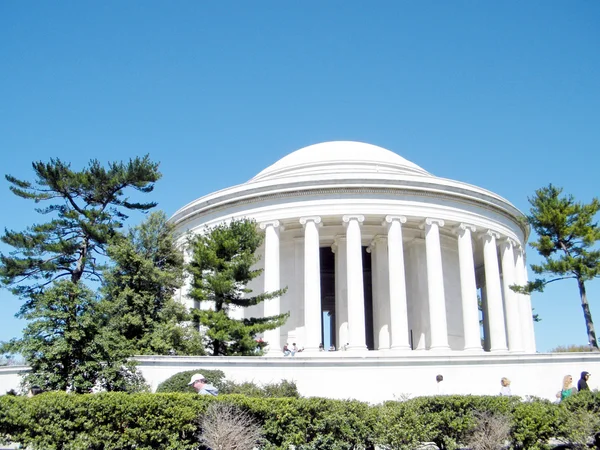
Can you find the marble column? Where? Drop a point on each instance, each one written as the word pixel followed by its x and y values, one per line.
pixel 468 287
pixel 356 295
pixel 381 292
pixel 435 285
pixel 525 311
pixel 493 292
pixel 511 306
pixel 341 291
pixel 312 284
pixel 272 282
pixel 397 284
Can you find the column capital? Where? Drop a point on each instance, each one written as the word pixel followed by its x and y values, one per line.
pixel 339 239
pixel 271 223
pixel 390 219
pixel 462 227
pixel 315 219
pixel 508 242
pixel 380 238
pixel 489 234
pixel 348 217
pixel 429 221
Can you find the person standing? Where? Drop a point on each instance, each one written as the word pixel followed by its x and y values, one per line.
pixel 568 389
pixel 582 383
pixel 202 387
pixel 505 389
pixel 440 385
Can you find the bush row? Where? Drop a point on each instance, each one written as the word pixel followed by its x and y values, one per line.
pixel 171 421
pixel 179 383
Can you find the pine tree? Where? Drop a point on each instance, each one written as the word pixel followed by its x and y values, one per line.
pixel 138 305
pixel 51 260
pixel 59 341
pixel 222 265
pixel 567 236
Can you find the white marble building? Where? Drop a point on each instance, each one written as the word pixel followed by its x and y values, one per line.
pixel 396 256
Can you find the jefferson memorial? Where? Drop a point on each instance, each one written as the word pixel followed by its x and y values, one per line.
pixel 405 274
pixel 393 258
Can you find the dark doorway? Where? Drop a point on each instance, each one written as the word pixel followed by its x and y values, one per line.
pixel 327 261
pixel 368 291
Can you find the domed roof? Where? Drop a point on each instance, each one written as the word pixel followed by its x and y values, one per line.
pixel 337 157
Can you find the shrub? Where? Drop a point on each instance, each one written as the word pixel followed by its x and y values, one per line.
pixel 271 390
pixel 112 420
pixel 399 426
pixel 534 424
pixel 490 433
pixel 579 417
pixel 227 427
pixel 179 381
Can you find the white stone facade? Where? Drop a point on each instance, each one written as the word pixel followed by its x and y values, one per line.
pixel 399 258
pixel 396 256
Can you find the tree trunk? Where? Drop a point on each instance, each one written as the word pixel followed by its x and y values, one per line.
pixel 588 316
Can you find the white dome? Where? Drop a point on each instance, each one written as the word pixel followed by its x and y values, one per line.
pixel 338 157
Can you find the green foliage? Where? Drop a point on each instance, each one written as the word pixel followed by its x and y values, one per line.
pixel 102 421
pixel 87 209
pixel 50 260
pixel 59 341
pixel 170 421
pixel 571 349
pixel 222 265
pixel 567 238
pixel 269 390
pixel 138 305
pixel 534 423
pixel 399 426
pixel 179 381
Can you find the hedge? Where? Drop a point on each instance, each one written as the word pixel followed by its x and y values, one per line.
pixel 179 383
pixel 106 421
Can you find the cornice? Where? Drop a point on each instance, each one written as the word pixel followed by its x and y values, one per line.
pixel 490 203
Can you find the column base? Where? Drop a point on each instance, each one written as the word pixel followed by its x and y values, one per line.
pixel 498 350
pixel 310 350
pixel 273 353
pixel 357 349
pixel 440 349
pixel 399 349
pixel 473 350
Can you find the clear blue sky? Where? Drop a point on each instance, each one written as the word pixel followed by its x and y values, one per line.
pixel 503 95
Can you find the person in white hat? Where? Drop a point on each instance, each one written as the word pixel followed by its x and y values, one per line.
pixel 199 383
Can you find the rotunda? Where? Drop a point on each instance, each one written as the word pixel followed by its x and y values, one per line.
pixel 379 256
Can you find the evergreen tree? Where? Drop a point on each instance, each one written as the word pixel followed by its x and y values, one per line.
pixel 138 305
pixel 59 341
pixel 567 236
pixel 50 261
pixel 222 265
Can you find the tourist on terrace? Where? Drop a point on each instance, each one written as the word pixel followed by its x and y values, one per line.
pixel 568 389
pixel 440 385
pixel 201 386
pixel 505 389
pixel 582 383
